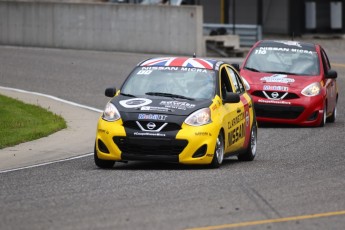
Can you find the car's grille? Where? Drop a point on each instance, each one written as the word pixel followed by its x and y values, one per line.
pixel 279 95
pixel 169 127
pixel 278 111
pixel 150 146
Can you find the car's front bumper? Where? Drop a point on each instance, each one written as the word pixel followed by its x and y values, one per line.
pixel 191 145
pixel 306 111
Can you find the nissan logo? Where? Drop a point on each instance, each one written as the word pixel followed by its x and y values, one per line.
pixel 275 95
pixel 151 125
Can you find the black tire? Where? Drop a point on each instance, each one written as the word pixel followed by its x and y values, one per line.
pixel 324 116
pixel 250 152
pixel 333 117
pixel 218 155
pixel 105 164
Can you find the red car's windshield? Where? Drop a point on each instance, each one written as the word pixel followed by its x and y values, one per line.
pixel 296 61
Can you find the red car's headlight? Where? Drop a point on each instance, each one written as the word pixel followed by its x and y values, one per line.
pixel 312 89
pixel 246 84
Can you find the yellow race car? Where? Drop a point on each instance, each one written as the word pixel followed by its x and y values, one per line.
pixel 177 109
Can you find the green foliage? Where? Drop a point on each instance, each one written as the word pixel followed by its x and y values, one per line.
pixel 20 122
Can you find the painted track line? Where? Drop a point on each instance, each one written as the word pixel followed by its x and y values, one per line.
pixel 53 98
pixel 338 65
pixel 270 221
pixel 46 163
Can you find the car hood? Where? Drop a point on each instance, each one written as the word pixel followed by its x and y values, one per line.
pixel 258 79
pixel 158 105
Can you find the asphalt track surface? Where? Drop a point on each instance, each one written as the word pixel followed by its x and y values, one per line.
pixel 296 182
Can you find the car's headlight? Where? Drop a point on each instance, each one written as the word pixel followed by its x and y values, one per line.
pixel 312 89
pixel 200 117
pixel 110 112
pixel 246 84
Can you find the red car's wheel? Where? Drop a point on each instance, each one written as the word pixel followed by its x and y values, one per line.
pixel 324 116
pixel 333 116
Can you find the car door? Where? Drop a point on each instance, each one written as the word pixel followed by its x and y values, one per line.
pixel 233 113
pixel 243 109
pixel 329 84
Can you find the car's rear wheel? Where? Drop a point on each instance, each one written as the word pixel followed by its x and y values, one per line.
pixel 106 164
pixel 250 153
pixel 218 156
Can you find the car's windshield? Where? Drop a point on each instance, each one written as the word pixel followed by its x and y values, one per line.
pixel 175 82
pixel 296 61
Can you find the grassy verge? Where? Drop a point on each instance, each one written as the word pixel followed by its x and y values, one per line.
pixel 20 122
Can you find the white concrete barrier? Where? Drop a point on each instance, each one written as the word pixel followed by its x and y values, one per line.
pixel 103 26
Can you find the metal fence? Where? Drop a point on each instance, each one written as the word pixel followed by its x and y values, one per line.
pixel 249 34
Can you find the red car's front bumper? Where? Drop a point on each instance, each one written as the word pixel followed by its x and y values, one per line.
pixel 303 111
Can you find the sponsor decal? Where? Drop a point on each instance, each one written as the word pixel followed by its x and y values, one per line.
pixel 247 103
pixel 135 102
pixel 144 72
pixel 274 102
pixel 159 68
pixel 236 120
pixel 303 51
pixel 203 134
pixel 263 50
pixel 148 70
pixel 177 105
pixel 153 108
pixel 275 88
pixel 280 78
pixel 157 117
pixel 214 107
pixel 247 118
pixel 151 125
pixel 236 134
pixel 275 95
pixel 149 134
pixel 103 131
pixel 194 70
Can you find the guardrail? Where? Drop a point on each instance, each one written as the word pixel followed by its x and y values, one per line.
pixel 249 34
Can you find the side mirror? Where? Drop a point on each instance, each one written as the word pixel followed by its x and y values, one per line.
pixel 236 66
pixel 232 98
pixel 331 74
pixel 110 92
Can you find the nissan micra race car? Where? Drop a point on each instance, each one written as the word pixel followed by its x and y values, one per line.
pixel 291 83
pixel 177 109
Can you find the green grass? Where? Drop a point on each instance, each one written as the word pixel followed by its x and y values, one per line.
pixel 20 122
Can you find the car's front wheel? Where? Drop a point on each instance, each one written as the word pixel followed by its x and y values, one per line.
pixel 324 116
pixel 106 164
pixel 218 152
pixel 250 153
pixel 332 118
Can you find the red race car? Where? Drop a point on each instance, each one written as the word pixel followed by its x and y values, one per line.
pixel 291 83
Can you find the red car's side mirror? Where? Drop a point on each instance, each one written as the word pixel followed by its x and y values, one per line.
pixel 331 74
